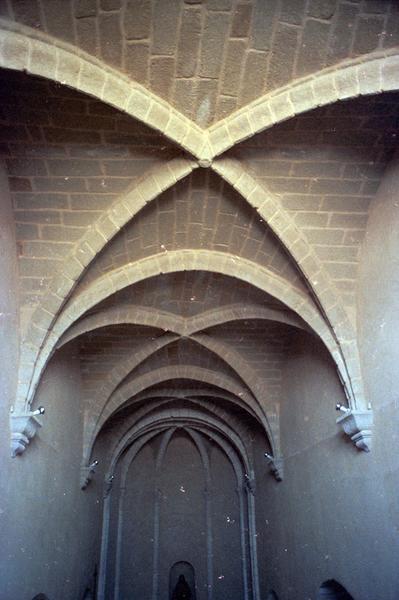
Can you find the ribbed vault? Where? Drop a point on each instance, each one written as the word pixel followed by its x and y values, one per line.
pixel 177 229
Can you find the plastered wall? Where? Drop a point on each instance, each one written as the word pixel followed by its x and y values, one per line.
pixel 49 526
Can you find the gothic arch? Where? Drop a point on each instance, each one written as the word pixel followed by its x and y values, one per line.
pixel 369 74
pixel 25 49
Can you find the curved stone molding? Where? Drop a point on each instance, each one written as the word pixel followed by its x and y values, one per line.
pixel 97 237
pixel 358 424
pixel 369 74
pixel 23 428
pixel 187 260
pixel 25 49
pixel 39 54
pixel 269 208
pixel 188 326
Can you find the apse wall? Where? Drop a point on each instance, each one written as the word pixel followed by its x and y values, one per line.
pixel 49 526
pixel 177 503
pixel 332 517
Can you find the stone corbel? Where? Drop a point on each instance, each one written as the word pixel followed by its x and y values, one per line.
pixel 358 424
pixel 276 466
pixel 23 428
pixel 86 474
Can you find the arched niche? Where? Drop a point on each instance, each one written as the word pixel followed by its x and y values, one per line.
pixel 187 570
pixel 332 590
pixel 120 512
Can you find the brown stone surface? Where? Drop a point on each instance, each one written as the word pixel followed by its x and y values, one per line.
pixel 297 38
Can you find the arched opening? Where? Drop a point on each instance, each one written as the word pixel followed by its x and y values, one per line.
pixel 178 587
pixel 195 478
pixel 332 590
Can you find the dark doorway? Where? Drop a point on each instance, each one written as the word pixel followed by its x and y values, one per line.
pixel 332 590
pixel 185 569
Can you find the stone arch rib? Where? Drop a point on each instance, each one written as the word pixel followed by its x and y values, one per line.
pixel 316 277
pixel 162 374
pixel 187 260
pixel 25 49
pixel 86 249
pixel 143 315
pixel 123 369
pixel 369 74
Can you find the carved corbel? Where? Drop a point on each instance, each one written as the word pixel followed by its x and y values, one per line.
pixel 108 485
pixel 86 474
pixel 358 424
pixel 23 428
pixel 250 484
pixel 276 466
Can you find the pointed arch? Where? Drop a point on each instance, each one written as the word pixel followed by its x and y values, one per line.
pixel 187 326
pixel 37 53
pixel 369 74
pixel 298 247
pixel 87 248
pixel 186 260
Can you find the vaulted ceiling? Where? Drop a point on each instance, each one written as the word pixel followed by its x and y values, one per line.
pixel 183 261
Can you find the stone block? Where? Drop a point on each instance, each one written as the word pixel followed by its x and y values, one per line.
pixel 110 38
pixel 137 19
pixel 292 11
pixel 313 50
pixel 369 77
pixel 111 4
pixel 254 79
pixel 116 92
pixel 263 18
pixel 239 128
pixel 322 9
pixel 58 18
pixel 137 61
pixel 139 104
pixel 43 60
pixel 324 89
pixel 343 32
pixel 161 75
pixel 282 57
pixel 86 31
pixel 240 27
pixel 68 68
pixel 15 52
pixel 213 39
pixel 189 43
pixel 85 8
pixel 347 83
pixel 164 38
pixel 348 221
pixel 177 128
pixel 232 68
pixel 390 73
pixel 368 34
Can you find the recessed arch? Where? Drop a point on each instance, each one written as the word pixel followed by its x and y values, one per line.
pixel 187 260
pixel 86 249
pixel 122 370
pixel 163 374
pixel 37 53
pixel 368 74
pixel 318 280
pixel 170 418
pixel 153 403
pixel 332 590
pixel 143 315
